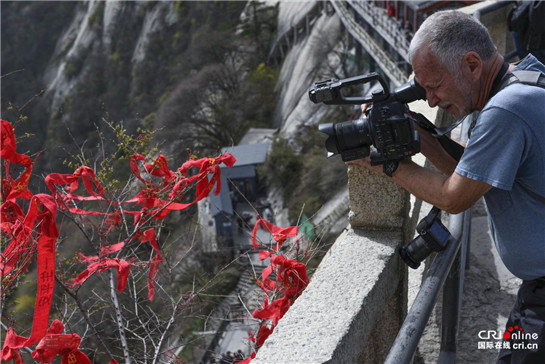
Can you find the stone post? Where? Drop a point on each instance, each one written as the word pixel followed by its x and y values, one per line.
pixel 378 203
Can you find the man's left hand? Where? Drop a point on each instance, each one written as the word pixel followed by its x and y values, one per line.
pixel 365 163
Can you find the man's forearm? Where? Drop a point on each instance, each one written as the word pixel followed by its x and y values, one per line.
pixel 425 184
pixel 436 154
pixel 452 194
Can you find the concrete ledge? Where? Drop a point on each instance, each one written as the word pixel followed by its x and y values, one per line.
pixel 354 290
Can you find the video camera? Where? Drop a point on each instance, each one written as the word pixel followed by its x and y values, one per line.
pixel 389 126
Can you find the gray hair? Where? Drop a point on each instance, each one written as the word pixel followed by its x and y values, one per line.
pixel 450 34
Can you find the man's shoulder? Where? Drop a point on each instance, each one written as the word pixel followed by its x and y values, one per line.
pixel 530 63
pixel 524 96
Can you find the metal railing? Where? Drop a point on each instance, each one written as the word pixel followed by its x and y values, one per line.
pixel 439 274
pixel 446 272
pixel 389 28
pixel 383 59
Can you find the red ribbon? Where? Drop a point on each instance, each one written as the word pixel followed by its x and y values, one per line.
pixel 86 174
pixel 208 166
pixel 54 343
pixel 44 209
pixel 279 234
pixel 291 280
pixel 149 237
pixel 97 265
pixel 12 189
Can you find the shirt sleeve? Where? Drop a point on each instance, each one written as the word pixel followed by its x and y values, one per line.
pixel 495 149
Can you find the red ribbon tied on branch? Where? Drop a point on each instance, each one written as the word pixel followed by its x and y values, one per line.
pixel 97 265
pixel 44 210
pixel 39 225
pixel 12 189
pixel 22 231
pixel 54 343
pixel 279 234
pixel 291 280
pixel 208 166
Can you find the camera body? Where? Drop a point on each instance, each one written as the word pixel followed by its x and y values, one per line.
pixel 433 236
pixel 389 126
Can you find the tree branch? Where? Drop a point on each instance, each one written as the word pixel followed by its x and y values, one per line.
pixel 119 320
pixel 85 316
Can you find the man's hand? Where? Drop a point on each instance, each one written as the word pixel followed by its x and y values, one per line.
pixel 365 163
pixel 364 107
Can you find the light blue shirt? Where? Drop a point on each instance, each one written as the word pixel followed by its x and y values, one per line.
pixel 507 149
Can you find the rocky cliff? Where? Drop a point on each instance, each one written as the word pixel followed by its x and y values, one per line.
pixel 144 64
pixel 198 73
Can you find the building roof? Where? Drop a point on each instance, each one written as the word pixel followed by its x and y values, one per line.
pixel 248 154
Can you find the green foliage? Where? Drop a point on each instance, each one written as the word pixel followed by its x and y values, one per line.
pixel 24 303
pixel 259 95
pixel 308 178
pixel 116 145
pixel 283 166
pixel 74 65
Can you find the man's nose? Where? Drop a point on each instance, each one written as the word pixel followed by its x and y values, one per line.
pixel 433 100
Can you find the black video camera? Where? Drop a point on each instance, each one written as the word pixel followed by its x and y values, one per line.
pixel 433 236
pixel 389 126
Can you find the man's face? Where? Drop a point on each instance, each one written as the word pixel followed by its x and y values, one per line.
pixel 451 92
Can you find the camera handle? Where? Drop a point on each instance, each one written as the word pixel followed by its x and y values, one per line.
pixel 329 91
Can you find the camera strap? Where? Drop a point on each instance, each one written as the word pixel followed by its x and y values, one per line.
pixel 454 149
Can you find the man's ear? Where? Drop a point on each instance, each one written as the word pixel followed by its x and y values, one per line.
pixel 473 64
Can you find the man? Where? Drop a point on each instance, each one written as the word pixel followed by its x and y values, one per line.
pixel 455 60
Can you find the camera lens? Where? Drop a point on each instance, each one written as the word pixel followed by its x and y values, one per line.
pixel 350 138
pixel 415 252
pixel 331 141
pixel 353 134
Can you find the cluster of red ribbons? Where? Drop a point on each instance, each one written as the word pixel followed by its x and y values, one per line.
pixel 38 224
pixel 52 344
pixel 291 280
